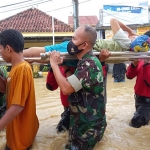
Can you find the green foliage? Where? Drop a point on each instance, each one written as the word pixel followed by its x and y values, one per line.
pixel 35 74
pixel 6 67
pixel 45 68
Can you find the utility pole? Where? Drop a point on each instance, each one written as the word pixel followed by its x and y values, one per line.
pixel 53 26
pixel 75 14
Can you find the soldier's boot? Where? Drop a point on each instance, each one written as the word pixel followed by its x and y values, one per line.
pixel 78 145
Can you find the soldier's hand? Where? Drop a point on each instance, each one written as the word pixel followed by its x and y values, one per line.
pixel 104 54
pixel 55 58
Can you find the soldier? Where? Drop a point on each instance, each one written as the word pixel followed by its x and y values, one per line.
pixel 85 89
pixel 70 65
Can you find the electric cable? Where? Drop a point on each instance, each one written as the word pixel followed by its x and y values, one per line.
pixel 28 5
pixel 15 4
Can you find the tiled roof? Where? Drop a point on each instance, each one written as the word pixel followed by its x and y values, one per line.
pixel 33 20
pixel 84 20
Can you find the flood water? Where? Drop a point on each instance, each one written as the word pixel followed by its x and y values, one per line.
pixel 119 110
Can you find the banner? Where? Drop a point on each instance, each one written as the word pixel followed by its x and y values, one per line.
pixel 128 13
pixel 121 8
pixel 108 34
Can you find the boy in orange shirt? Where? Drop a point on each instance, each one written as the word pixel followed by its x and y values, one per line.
pixel 20 119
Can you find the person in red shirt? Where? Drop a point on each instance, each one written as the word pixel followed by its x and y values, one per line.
pixel 141 70
pixel 51 84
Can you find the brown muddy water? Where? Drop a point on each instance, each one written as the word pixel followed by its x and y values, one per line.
pixel 119 110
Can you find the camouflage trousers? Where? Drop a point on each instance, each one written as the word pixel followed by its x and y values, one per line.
pixel 85 136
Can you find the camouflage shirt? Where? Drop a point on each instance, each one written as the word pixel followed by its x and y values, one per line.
pixel 87 106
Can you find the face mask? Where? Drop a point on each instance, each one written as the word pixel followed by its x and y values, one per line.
pixel 73 49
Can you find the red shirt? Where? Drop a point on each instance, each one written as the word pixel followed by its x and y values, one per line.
pixel 142 74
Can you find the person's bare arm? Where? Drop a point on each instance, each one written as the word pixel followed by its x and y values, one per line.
pixel 37 61
pixel 33 51
pixel 64 85
pixel 10 114
pixel 116 25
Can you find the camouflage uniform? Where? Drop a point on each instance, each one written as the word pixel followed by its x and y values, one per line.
pixel 87 106
pixel 3 73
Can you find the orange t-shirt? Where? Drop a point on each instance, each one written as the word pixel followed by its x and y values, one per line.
pixel 20 133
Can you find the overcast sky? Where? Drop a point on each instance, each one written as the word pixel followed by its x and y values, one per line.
pixel 60 9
